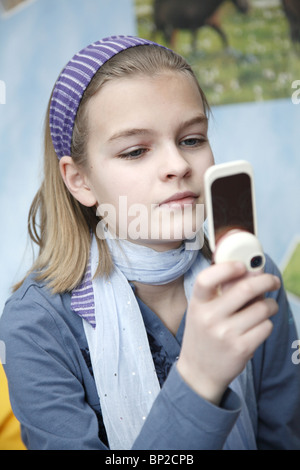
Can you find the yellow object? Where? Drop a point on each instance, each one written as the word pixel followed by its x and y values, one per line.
pixel 10 434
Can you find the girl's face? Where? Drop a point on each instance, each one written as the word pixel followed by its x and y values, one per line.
pixel 147 154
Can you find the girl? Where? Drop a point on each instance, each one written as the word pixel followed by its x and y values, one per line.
pixel 123 337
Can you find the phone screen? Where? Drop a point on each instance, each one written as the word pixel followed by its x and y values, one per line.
pixel 232 204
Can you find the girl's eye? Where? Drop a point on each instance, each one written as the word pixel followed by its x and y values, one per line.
pixel 133 154
pixel 193 141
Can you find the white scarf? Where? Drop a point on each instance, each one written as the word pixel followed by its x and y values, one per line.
pixel 122 362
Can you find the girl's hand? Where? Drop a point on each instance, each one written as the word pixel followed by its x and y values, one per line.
pixel 226 321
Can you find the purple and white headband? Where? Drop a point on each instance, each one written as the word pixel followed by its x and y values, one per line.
pixel 73 81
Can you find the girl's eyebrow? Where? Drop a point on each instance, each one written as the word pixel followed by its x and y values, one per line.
pixel 199 119
pixel 128 133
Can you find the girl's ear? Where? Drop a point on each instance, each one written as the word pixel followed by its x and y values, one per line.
pixel 76 182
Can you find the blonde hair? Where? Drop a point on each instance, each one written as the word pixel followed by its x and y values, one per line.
pixel 57 222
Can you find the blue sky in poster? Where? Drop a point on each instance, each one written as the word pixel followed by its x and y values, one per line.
pixel 37 41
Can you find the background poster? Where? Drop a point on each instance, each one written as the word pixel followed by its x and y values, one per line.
pixel 241 50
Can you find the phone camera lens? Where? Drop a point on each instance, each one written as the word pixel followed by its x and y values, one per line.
pixel 256 261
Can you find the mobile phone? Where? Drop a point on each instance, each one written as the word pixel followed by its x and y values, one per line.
pixel 231 214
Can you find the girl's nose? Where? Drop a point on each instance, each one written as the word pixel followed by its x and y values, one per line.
pixel 173 164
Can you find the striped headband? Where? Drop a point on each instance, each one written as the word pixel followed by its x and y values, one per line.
pixel 73 81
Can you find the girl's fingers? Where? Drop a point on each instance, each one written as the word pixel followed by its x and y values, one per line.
pixel 247 290
pixel 208 282
pixel 241 288
pixel 254 337
pixel 250 317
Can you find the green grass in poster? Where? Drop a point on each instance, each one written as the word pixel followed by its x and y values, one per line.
pixel 260 65
pixel 291 273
